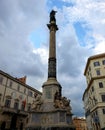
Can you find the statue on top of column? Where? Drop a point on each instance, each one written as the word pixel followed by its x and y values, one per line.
pixel 52 16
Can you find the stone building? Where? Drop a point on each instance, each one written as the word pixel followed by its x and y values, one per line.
pixel 94 95
pixel 80 123
pixel 16 98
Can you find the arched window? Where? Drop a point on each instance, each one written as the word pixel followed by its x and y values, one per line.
pixel 3 124
pixel 29 107
pixel 8 101
pixel 16 104
pixel 23 105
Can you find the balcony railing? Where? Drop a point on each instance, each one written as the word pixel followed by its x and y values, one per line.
pixel 6 110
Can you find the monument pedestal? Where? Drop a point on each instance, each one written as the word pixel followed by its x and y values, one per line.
pixel 50 120
pixel 53 112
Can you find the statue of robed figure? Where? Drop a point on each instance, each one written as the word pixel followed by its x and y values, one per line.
pixel 52 16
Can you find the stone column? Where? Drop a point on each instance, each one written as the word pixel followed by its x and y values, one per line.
pixel 52 50
pixel 51 86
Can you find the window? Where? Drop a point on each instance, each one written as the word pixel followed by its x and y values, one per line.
pixel 16 105
pixel 103 62
pixel 18 87
pixel 96 113
pixel 20 97
pixel 24 90
pixel 22 106
pixel 96 63
pixel 95 100
pixel 30 93
pixel 92 89
pixel 100 84
pixel 98 72
pixel 89 68
pixel 1 80
pixel 7 102
pixel 29 107
pixel 10 84
pixel 103 98
pixel 103 110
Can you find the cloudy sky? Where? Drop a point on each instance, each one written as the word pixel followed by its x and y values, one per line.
pixel 24 41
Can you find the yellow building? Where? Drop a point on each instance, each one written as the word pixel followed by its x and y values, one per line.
pixel 16 98
pixel 80 123
pixel 94 95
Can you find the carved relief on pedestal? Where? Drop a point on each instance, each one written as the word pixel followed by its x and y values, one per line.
pixel 48 93
pixel 66 103
pixel 57 101
pixel 46 119
pixel 36 105
pixel 62 102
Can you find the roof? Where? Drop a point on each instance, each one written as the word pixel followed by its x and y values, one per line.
pixel 18 81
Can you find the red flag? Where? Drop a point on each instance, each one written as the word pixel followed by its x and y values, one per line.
pixel 24 103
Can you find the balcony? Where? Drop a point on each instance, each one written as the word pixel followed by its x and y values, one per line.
pixel 6 110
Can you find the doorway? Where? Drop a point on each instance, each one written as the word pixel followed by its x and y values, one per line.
pixel 13 122
pixel 21 126
pixel 3 125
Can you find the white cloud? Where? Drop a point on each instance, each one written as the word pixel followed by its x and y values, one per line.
pixel 91 12
pixel 73 56
pixel 17 20
pixel 43 52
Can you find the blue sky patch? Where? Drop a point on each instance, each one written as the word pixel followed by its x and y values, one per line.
pixel 58 3
pixel 81 32
pixel 38 37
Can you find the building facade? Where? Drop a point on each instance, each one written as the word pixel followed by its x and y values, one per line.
pixel 80 123
pixel 16 99
pixel 94 95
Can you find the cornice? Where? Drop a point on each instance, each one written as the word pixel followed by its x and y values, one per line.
pixel 92 58
pixel 89 85
pixel 16 80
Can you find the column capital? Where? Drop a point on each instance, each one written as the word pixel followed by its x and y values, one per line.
pixel 52 26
